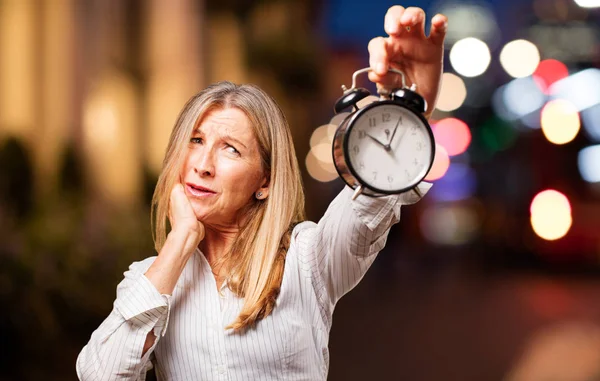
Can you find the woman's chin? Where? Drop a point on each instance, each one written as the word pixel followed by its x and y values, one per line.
pixel 201 214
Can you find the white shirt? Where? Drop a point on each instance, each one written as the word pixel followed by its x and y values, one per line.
pixel 324 262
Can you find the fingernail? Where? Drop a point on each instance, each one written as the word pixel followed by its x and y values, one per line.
pixel 391 28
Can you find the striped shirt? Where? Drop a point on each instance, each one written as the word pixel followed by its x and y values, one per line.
pixel 324 262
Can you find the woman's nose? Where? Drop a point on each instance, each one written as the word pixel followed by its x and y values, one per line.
pixel 205 165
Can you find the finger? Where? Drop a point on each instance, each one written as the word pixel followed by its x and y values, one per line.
pixel 171 207
pixel 388 81
pixel 173 195
pixel 392 20
pixel 172 204
pixel 178 199
pixel 378 57
pixel 414 19
pixel 439 26
pixel 201 231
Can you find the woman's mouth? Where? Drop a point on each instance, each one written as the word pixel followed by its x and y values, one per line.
pixel 198 191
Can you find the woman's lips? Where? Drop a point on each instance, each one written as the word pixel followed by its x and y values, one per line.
pixel 198 191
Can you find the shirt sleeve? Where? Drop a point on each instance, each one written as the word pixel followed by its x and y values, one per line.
pixel 114 351
pixel 339 250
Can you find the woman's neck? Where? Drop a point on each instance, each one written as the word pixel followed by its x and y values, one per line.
pixel 217 242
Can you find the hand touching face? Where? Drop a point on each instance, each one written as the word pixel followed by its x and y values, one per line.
pixel 182 216
pixel 409 50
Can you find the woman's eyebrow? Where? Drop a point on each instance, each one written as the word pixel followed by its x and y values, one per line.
pixel 229 137
pixel 223 136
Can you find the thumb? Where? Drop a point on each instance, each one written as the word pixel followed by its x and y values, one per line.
pixel 439 26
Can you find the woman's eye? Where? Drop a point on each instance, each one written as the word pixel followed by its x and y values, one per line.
pixel 196 140
pixel 232 150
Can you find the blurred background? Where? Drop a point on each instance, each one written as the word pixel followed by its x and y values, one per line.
pixel 495 275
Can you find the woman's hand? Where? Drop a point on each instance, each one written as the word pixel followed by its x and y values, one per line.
pixel 182 216
pixel 186 233
pixel 407 48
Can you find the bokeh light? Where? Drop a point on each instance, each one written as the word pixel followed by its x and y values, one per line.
pixel 109 119
pixel 519 58
pixel 323 134
pixel 452 93
pixel 588 3
pixel 319 161
pixel 323 153
pixel 339 118
pixel 500 107
pixel 532 120
pixel 459 183
pixel 449 224
pixel 470 19
pixel 441 162
pixel 550 215
pixel 517 99
pixel 560 121
pixel 548 72
pixel 319 170
pixel 590 118
pixel 100 120
pixel 588 162
pixel 563 348
pixel 496 135
pixel 580 88
pixel 453 134
pixel 470 57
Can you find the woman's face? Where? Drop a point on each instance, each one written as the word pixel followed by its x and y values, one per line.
pixel 222 170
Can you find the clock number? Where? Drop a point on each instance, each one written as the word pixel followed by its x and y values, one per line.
pixel 372 122
pixel 413 129
pixel 361 166
pixel 356 150
pixel 415 161
pixel 390 179
pixel 407 173
pixel 419 146
pixel 361 134
pixel 374 176
pixel 385 117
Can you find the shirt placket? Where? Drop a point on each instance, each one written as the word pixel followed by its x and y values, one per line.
pixel 217 322
pixel 224 296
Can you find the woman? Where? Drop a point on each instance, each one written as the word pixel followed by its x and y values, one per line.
pixel 242 288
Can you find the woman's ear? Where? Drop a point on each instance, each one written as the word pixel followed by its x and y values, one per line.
pixel 262 192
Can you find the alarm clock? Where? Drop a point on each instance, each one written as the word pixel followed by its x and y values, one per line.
pixel 386 147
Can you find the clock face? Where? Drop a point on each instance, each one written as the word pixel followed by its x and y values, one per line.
pixel 389 148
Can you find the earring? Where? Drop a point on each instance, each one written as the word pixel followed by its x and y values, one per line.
pixel 258 195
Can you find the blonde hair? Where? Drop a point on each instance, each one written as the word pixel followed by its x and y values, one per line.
pixel 256 260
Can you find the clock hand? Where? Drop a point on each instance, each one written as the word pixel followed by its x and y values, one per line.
pixel 378 142
pixel 387 146
pixel 401 136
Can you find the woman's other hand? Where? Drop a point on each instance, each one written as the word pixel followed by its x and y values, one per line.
pixel 408 49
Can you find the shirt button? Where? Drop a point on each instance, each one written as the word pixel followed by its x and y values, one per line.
pixel 222 369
